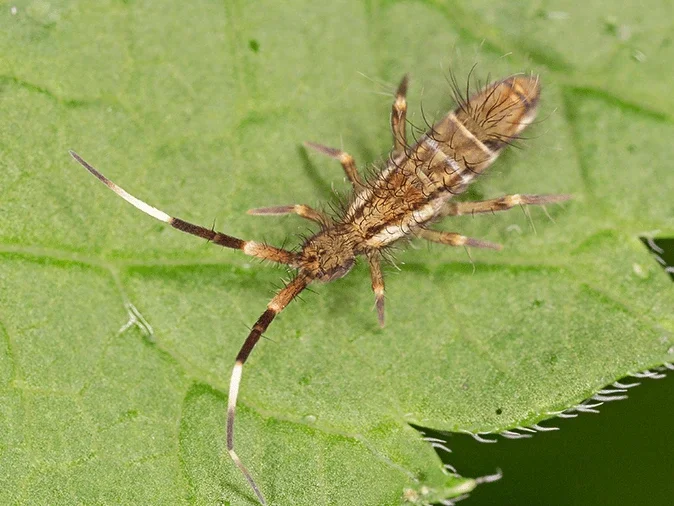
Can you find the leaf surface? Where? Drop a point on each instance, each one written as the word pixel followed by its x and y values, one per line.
pixel 200 108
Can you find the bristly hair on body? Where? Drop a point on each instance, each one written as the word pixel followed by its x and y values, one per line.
pixel 414 189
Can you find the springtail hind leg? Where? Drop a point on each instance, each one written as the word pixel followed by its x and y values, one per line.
pixel 298 209
pixel 399 118
pixel 347 161
pixel 500 204
pixel 377 278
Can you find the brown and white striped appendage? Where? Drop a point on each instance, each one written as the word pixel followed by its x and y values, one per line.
pixel 251 248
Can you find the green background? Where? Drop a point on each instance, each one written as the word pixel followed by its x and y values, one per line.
pixel 200 108
pixel 620 456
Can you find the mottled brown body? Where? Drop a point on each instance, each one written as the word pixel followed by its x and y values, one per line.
pixel 413 190
pixel 416 184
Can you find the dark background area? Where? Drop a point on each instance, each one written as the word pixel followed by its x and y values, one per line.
pixel 622 455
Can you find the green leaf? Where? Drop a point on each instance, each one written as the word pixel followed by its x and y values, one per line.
pixel 200 108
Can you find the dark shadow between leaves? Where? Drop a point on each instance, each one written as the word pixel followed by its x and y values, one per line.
pixel 592 460
pixel 663 252
pixel 606 454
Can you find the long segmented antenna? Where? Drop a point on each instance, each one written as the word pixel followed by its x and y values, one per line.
pixel 275 306
pixel 251 248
